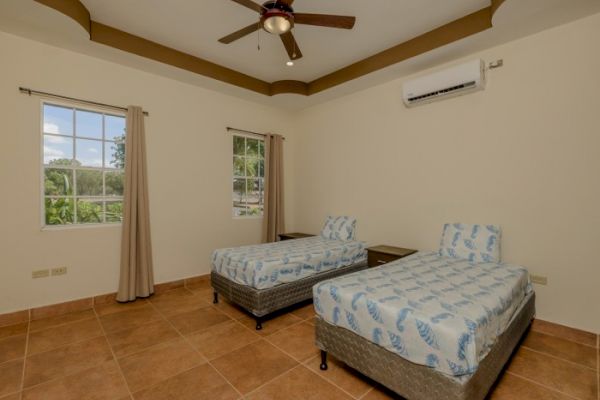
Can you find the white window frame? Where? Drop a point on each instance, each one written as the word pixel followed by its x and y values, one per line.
pixel 261 139
pixel 103 197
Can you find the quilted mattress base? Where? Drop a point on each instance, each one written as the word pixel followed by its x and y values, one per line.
pixel 418 382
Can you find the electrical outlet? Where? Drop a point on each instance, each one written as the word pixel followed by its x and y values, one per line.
pixel 59 271
pixel 40 273
pixel 540 280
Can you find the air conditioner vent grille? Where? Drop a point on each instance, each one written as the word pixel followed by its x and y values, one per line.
pixel 441 92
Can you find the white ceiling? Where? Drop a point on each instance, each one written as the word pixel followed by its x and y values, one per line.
pixel 194 27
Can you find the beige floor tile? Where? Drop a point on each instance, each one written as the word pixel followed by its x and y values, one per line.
pixel 342 375
pixel 561 348
pixel 55 310
pixel 103 382
pixel 66 360
pixel 298 341
pixel 60 320
pixel 253 365
pixel 233 310
pixel 222 339
pixel 116 307
pixel 197 320
pixel 129 319
pixel 299 384
pixel 173 305
pixel 270 326
pixel 13 330
pixel 11 374
pixel 132 340
pixel 566 377
pixel 12 347
pixel 512 387
pixel 199 383
pixel 154 365
pixel 61 335
pixel 381 393
pixel 14 396
pixel 304 312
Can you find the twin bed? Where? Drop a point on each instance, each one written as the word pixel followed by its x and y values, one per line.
pixel 434 325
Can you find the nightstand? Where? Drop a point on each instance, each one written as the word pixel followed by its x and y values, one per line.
pixel 293 235
pixel 379 255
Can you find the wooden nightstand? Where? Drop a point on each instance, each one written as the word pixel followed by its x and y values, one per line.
pixel 294 235
pixel 379 255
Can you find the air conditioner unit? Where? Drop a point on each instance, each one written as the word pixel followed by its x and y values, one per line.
pixel 451 82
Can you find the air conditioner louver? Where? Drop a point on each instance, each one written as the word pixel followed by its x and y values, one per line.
pixel 455 81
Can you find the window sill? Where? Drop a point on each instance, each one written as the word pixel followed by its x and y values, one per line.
pixel 49 228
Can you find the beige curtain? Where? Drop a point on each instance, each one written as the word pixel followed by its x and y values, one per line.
pixel 273 220
pixel 137 277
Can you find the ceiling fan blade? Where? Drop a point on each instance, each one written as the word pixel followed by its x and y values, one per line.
pixel 241 33
pixel 287 2
pixel 330 21
pixel 291 46
pixel 250 4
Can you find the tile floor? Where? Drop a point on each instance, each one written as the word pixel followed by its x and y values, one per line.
pixel 178 345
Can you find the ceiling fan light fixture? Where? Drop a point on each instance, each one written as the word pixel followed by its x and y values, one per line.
pixel 290 63
pixel 277 22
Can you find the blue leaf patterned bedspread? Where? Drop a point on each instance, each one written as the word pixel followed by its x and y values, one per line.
pixel 442 312
pixel 266 265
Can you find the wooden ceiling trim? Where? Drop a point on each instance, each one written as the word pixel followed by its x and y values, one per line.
pixel 73 9
pixel 121 40
pixel 446 34
pixel 456 30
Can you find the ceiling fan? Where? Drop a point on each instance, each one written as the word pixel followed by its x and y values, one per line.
pixel 278 17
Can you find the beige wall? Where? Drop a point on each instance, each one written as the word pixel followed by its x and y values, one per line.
pixel 525 154
pixel 189 157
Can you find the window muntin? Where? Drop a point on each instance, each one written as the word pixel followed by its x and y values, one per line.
pixel 248 176
pixel 83 166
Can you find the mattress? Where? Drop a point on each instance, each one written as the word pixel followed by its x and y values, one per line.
pixel 442 312
pixel 267 265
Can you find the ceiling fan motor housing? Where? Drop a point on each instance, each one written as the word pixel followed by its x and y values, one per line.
pixel 277 18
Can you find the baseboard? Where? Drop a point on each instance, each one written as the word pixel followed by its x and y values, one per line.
pixel 53 310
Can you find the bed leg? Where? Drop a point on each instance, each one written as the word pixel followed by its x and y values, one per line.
pixel 258 323
pixel 215 297
pixel 323 365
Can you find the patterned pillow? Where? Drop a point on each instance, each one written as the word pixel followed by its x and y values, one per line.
pixel 473 242
pixel 339 228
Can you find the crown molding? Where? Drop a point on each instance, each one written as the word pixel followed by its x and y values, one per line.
pixel 461 28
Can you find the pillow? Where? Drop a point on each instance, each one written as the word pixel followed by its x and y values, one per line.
pixel 339 228
pixel 476 243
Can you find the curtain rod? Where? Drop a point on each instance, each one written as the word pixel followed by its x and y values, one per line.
pixel 58 96
pixel 245 131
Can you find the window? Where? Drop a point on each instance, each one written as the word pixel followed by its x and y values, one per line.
pixel 83 162
pixel 248 176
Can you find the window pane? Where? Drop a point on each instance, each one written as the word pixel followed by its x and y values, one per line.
pixel 252 147
pixel 114 127
pixel 59 211
pixel 252 167
pixel 114 211
pixel 239 145
pixel 89 211
pixel 89 183
pixel 261 168
pixel 89 153
pixel 238 166
pixel 114 154
pixel 58 120
pixel 240 211
pixel 88 124
pixel 58 150
pixel 114 182
pixel 58 182
pixel 261 148
pixel 239 192
pixel 254 197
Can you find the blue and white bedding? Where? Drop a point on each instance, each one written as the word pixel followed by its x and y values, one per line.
pixel 442 312
pixel 267 265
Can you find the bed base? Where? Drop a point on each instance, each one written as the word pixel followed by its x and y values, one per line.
pixel 262 302
pixel 418 382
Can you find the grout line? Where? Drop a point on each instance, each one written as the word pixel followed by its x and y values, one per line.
pixel 25 359
pixel 274 378
pixel 558 358
pixel 542 385
pixel 64 323
pixel 367 392
pixel 198 352
pixel 113 354
pixel 564 338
